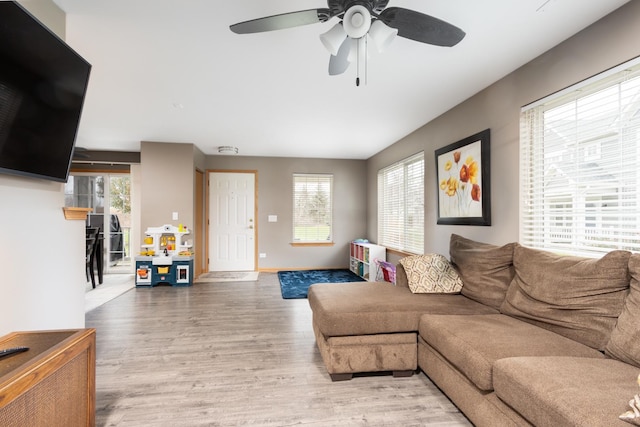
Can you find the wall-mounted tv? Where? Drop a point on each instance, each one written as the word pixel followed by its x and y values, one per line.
pixel 42 88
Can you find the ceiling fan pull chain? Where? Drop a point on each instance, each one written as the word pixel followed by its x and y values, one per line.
pixel 358 63
pixel 366 59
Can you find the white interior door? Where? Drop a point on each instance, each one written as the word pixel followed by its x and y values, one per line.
pixel 232 225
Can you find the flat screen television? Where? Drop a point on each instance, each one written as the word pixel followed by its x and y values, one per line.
pixel 43 83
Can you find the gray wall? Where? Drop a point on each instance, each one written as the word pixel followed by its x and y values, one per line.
pixel 49 13
pixel 166 184
pixel 607 43
pixel 274 191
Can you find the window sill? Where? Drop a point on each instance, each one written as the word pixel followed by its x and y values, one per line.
pixel 312 244
pixel 399 252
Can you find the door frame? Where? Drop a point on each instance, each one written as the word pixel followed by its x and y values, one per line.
pixel 199 224
pixel 255 211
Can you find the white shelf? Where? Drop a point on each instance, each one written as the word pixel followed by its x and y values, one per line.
pixel 362 258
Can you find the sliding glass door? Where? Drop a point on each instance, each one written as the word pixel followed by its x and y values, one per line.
pixel 109 197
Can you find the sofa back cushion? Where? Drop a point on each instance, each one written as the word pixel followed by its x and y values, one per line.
pixel 625 337
pixel 486 270
pixel 579 298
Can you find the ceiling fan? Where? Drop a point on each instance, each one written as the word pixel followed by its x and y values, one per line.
pixel 359 21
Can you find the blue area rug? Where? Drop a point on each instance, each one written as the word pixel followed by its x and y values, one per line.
pixel 295 284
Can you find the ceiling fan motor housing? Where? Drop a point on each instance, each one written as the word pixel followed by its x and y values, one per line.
pixel 356 14
pixel 357 21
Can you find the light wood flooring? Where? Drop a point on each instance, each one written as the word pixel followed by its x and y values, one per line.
pixel 237 354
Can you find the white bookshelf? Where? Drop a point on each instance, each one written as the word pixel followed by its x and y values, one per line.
pixel 362 258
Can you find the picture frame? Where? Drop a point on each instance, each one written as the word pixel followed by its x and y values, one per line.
pixel 464 181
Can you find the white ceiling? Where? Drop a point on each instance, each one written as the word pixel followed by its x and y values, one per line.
pixel 172 71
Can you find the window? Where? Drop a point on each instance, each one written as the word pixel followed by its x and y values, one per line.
pixel 312 208
pixel 401 205
pixel 580 167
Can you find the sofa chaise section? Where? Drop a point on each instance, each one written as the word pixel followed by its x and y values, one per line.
pixel 372 327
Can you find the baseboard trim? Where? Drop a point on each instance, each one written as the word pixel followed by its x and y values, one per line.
pixel 275 270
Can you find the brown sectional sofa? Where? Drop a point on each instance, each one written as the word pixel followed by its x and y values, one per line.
pixel 534 338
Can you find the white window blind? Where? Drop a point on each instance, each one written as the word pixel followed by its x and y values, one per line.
pixel 312 208
pixel 580 168
pixel 401 205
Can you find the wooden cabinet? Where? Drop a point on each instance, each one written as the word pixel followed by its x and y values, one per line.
pixel 53 383
pixel 362 257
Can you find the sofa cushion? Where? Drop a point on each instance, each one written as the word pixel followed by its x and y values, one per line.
pixel 473 343
pixel 365 308
pixel 368 353
pixel 431 273
pixel 625 337
pixel 566 391
pixel 486 270
pixel 577 297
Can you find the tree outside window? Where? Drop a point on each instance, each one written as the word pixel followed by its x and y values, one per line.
pixel 312 208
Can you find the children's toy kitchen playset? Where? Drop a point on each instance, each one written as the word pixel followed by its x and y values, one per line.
pixel 165 258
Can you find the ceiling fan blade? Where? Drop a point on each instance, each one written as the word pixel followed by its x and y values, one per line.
pixel 339 63
pixel 282 21
pixel 422 28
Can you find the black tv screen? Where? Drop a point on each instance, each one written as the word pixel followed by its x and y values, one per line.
pixel 42 88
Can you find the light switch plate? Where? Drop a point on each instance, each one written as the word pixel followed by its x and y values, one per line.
pixel 175 216
pixel 273 218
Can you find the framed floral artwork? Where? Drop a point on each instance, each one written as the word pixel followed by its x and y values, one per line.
pixel 464 196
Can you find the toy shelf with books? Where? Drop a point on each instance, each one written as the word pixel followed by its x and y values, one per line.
pixel 362 257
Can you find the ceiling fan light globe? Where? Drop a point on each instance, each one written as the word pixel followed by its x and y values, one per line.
pixel 353 50
pixel 332 39
pixel 382 35
pixel 357 21
pixel 358 48
pixel 339 63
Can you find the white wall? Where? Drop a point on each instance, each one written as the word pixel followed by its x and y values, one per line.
pixel 42 281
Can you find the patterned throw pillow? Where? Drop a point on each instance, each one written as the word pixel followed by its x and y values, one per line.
pixel 431 273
